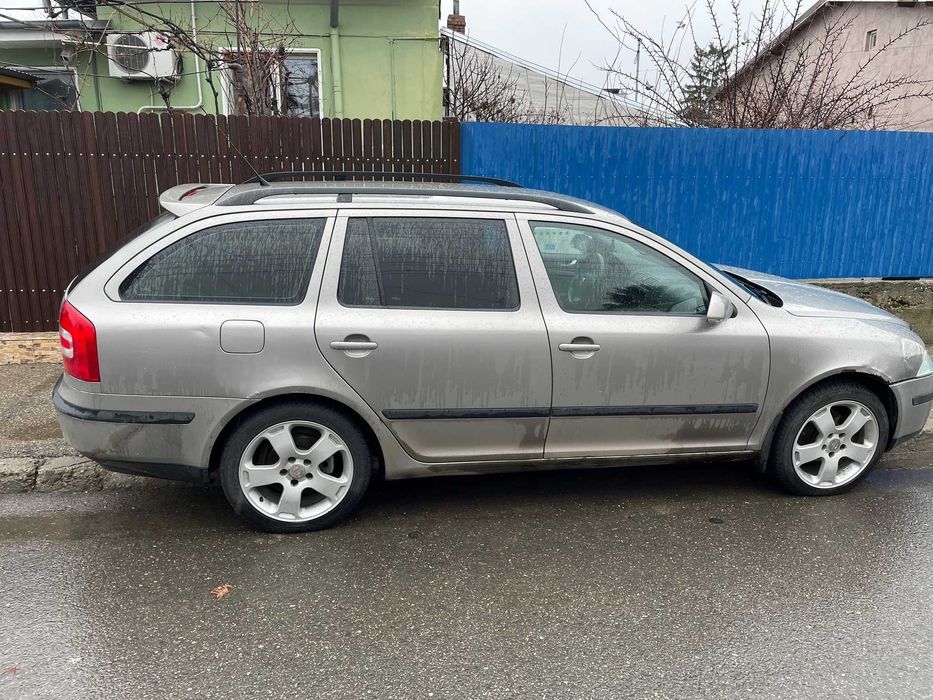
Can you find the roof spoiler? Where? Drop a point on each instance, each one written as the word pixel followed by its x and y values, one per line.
pixel 183 199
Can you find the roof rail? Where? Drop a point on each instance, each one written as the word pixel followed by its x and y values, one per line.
pixel 248 194
pixel 341 175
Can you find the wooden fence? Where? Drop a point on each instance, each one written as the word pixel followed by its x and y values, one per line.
pixel 73 184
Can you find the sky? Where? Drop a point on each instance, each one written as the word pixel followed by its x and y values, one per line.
pixel 564 35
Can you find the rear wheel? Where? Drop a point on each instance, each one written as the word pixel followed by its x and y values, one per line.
pixel 295 467
pixel 829 439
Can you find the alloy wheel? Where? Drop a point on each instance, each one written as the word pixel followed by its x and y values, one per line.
pixel 296 471
pixel 835 444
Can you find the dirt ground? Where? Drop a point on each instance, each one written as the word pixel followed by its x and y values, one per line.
pixel 28 426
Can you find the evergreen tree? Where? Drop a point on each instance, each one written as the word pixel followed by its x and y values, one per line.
pixel 708 70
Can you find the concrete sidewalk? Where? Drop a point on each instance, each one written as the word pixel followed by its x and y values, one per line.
pixel 35 457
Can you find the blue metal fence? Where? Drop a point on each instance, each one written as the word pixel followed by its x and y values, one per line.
pixel 800 204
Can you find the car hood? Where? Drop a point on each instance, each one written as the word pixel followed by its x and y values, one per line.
pixel 802 299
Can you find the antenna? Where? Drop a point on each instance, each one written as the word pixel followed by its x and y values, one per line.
pixel 258 176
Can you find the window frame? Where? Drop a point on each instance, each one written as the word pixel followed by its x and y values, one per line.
pixel 668 251
pixel 16 98
pixel 512 238
pixel 130 266
pixel 871 39
pixel 227 82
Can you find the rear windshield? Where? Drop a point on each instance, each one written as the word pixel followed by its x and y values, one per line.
pixel 129 238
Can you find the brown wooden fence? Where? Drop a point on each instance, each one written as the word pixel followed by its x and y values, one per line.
pixel 73 184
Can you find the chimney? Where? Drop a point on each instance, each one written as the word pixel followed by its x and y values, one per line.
pixel 456 22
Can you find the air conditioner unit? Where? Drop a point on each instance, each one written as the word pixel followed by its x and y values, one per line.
pixel 141 56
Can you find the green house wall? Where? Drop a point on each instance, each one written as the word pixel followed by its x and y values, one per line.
pixel 390 62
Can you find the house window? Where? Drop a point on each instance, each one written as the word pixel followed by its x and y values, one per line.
pixel 290 86
pixel 300 86
pixel 56 90
pixel 871 39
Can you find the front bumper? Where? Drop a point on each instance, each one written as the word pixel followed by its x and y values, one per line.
pixel 914 398
pixel 164 436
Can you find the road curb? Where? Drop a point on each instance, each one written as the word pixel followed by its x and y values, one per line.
pixel 73 473
pixel 68 474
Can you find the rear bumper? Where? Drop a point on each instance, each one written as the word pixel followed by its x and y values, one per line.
pixel 164 436
pixel 914 399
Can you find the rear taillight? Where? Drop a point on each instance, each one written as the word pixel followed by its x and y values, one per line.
pixel 79 344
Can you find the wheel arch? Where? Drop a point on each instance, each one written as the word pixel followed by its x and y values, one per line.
pixel 875 383
pixel 251 409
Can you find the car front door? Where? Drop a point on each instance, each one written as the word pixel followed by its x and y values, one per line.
pixel 638 368
pixel 433 320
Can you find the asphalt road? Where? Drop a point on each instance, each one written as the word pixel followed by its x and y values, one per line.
pixel 642 582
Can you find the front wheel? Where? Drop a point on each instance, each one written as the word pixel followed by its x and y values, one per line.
pixel 829 439
pixel 295 467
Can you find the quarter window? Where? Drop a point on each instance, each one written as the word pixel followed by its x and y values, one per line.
pixel 595 271
pixel 249 262
pixel 428 263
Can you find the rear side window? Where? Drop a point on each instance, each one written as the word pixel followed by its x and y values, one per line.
pixel 437 263
pixel 248 262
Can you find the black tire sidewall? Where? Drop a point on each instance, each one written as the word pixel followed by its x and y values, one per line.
pixel 249 427
pixel 781 466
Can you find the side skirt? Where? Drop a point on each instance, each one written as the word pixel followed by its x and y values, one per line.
pixel 467 468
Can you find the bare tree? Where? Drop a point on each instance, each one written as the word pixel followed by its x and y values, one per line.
pixel 480 90
pixel 255 58
pixel 801 76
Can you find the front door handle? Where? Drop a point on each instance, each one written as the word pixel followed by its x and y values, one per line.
pixel 580 347
pixel 354 345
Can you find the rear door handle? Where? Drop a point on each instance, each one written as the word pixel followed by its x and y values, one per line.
pixel 354 345
pixel 578 347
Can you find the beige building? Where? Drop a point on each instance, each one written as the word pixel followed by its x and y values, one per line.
pixel 864 28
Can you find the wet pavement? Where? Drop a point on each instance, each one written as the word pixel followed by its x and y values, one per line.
pixel 643 582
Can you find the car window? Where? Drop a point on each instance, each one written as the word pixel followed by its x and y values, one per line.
pixel 249 262
pixel 425 262
pixel 592 270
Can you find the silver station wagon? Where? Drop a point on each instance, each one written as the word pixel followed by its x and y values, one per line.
pixel 297 340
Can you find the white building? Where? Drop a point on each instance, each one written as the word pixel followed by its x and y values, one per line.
pixel 534 94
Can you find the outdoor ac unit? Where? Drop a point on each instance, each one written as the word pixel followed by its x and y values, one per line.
pixel 141 56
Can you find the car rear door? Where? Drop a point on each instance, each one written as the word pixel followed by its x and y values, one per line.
pixel 432 318
pixel 638 369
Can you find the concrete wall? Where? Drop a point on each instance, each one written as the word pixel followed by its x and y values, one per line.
pixel 390 59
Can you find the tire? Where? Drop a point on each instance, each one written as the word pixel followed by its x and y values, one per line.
pixel 295 491
pixel 817 424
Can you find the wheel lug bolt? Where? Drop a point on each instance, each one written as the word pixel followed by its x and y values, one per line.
pixel 294 482
pixel 283 472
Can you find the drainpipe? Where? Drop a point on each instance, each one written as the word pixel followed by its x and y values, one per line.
pixel 197 73
pixel 335 58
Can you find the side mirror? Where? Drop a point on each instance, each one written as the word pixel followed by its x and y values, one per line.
pixel 718 309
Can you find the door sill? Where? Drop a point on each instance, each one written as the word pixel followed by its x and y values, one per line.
pixel 416 470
